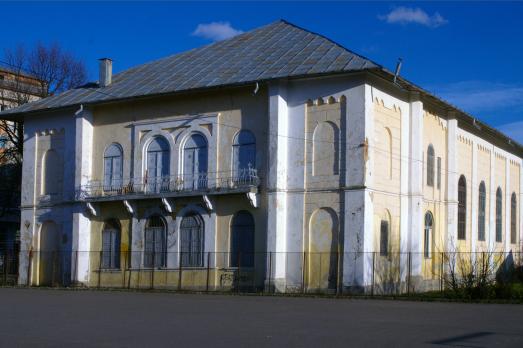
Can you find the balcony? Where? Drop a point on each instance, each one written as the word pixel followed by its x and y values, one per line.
pixel 243 181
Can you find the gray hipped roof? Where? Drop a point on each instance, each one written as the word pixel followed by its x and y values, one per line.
pixel 277 50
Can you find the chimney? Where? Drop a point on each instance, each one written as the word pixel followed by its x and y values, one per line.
pixel 106 72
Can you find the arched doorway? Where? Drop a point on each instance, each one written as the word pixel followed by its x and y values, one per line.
pixel 242 240
pixel 50 265
pixel 322 260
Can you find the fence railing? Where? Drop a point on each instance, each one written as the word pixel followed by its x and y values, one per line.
pixel 328 273
pixel 242 179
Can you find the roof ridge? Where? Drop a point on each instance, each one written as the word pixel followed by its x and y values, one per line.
pixel 332 41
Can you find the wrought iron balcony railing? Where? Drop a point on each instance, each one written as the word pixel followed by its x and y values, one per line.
pixel 187 184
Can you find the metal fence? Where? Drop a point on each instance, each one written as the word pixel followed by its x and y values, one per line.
pixel 308 273
pixel 202 182
pixel 8 267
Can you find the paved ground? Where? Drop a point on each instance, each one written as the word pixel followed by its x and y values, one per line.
pixel 40 318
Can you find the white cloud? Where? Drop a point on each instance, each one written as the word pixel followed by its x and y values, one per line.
pixel 407 15
pixel 481 96
pixel 216 31
pixel 513 130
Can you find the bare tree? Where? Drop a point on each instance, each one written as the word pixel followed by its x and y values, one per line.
pixel 36 73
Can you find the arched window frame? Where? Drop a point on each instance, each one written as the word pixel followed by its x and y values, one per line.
pixel 430 165
pixel 499 215
pixel 157 164
pixel 482 204
pixel 242 232
pixel 155 242
pixel 113 167
pixel 192 237
pixel 243 150
pixel 195 178
pixel 111 239
pixel 428 234
pixel 319 152
pixel 51 180
pixel 462 208
pixel 513 218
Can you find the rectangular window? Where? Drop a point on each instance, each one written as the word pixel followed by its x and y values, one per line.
pixel 426 244
pixel 384 238
pixel 439 173
pixel 110 249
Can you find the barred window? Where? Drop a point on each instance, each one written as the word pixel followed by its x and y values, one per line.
pixel 513 219
pixel 430 166
pixel 384 238
pixel 462 208
pixel 499 214
pixel 429 221
pixel 111 245
pixel 192 236
pixel 481 211
pixel 155 242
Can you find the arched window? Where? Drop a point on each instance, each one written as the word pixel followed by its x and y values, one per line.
pixel 244 155
pixel 462 207
pixel 113 168
pixel 325 149
pixel 242 240
pixel 192 236
pixel 158 165
pixel 430 166
pixel 427 237
pixel 499 215
pixel 52 173
pixel 195 162
pixel 111 245
pixel 513 218
pixel 482 199
pixel 155 242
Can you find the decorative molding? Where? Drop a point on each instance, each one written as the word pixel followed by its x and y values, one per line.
pixel 168 205
pixel 130 207
pixel 207 202
pixel 91 208
pixel 253 198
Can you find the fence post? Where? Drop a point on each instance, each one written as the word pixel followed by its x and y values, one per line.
pixel 76 268
pixel 270 270
pixel 129 266
pixel 303 270
pixel 53 258
pixel 339 290
pixel 152 271
pixel 441 275
pixel 208 269
pixel 239 272
pixel 29 266
pixel 373 270
pixel 180 271
pixel 409 260
pixel 100 269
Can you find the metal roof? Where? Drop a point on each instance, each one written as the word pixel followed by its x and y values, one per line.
pixel 277 50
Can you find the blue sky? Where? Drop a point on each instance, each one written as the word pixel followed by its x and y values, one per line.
pixel 469 53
